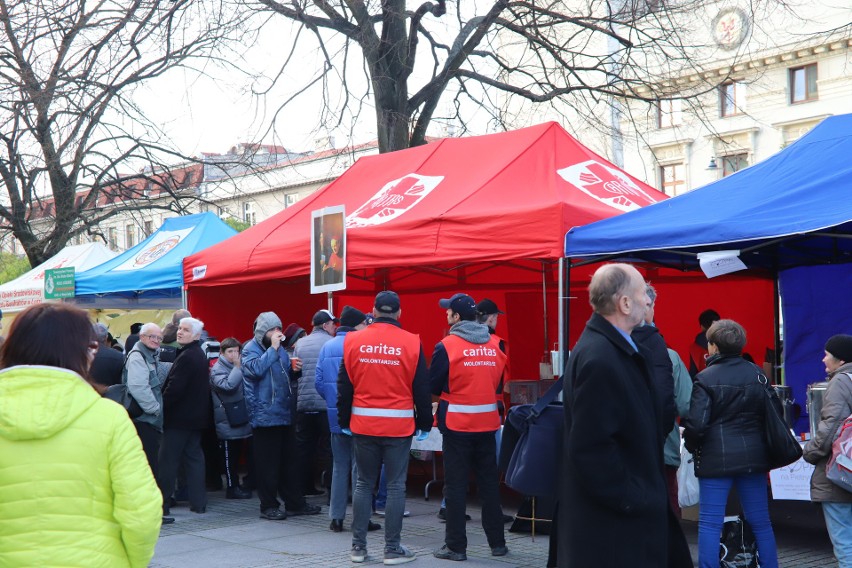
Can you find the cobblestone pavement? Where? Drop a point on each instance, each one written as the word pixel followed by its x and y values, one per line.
pixel 231 534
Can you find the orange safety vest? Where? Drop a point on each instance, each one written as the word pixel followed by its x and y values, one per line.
pixel 381 361
pixel 475 371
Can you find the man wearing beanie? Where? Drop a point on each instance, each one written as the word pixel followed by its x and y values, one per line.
pixel 466 372
pixel 266 380
pixel 836 406
pixel 383 398
pixel 328 364
pixel 312 436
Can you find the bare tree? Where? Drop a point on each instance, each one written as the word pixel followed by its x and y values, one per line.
pixel 68 121
pixel 574 54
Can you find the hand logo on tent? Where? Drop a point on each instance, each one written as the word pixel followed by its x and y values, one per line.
pixel 392 200
pixel 608 185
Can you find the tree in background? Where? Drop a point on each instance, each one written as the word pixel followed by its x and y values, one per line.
pixel 412 64
pixel 12 266
pixel 68 122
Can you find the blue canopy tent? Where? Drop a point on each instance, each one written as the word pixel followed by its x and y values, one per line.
pixel 790 215
pixel 150 275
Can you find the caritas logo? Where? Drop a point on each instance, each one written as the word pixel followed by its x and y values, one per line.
pixel 394 199
pixel 608 185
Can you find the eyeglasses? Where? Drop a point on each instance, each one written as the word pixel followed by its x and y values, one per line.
pixel 154 337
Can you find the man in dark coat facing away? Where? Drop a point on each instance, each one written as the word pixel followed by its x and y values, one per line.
pixel 615 510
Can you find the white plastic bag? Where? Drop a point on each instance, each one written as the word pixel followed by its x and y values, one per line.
pixel 687 483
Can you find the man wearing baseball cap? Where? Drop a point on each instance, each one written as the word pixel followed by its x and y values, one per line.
pixel 466 372
pixel 312 435
pixel 383 398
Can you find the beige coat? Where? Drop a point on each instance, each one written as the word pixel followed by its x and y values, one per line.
pixel 837 406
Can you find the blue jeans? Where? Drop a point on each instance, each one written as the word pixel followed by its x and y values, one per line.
pixel 381 492
pixel 713 496
pixel 838 520
pixel 341 450
pixel 370 453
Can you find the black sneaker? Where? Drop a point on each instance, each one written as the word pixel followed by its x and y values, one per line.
pixel 371 526
pixel 400 555
pixel 237 492
pixel 307 509
pixel 275 514
pixel 336 525
pixel 447 554
pixel 168 520
pixel 499 550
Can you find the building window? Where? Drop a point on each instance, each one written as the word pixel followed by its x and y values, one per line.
pixel 129 236
pixel 78 239
pixel 673 179
pixel 732 98
pixel 112 237
pixel 803 83
pixel 249 214
pixel 290 199
pixel 669 113
pixel 734 163
pixel 148 228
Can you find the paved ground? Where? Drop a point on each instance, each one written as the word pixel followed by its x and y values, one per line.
pixel 231 534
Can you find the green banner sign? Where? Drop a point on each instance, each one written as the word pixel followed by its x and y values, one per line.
pixel 59 283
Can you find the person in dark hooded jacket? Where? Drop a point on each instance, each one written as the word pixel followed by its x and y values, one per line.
pixel 266 382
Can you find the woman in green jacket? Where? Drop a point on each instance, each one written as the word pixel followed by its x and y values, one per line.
pixel 75 487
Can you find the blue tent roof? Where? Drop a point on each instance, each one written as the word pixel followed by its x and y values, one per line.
pixel 784 211
pixel 151 273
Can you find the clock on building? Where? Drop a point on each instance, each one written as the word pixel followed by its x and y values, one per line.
pixel 730 28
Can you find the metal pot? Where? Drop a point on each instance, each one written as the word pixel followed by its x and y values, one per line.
pixel 816 392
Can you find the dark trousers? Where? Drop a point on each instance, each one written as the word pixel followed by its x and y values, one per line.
pixel 313 441
pixel 671 486
pixel 231 450
pixel 464 452
pixel 182 447
pixel 275 468
pixel 150 438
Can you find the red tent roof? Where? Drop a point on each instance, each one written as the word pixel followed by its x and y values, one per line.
pixel 492 198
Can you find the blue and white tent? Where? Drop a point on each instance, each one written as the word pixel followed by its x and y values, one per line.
pixel 790 215
pixel 150 275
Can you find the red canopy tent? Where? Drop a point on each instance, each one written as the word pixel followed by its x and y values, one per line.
pixel 485 215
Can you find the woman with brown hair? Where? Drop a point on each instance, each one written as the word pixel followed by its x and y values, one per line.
pixel 75 487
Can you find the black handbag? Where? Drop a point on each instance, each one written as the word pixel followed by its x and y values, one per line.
pixel 783 447
pixel 119 393
pixel 237 412
pixel 737 545
pixel 534 463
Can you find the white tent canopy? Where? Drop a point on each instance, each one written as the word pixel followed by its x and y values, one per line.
pixel 28 289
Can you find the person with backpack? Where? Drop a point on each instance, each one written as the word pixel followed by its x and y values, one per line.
pixel 836 407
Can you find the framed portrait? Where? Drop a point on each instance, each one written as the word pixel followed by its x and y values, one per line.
pixel 328 249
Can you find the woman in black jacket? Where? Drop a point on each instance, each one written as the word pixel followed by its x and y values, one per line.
pixel 725 433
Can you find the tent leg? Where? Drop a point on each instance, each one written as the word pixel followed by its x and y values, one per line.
pixel 777 377
pixel 564 311
pixel 184 297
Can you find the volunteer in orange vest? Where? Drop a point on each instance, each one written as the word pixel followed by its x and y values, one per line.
pixel 383 399
pixel 466 372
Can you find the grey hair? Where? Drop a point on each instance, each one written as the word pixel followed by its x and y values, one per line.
pixel 728 336
pixel 145 329
pixel 651 291
pixel 609 282
pixel 196 325
pixel 101 331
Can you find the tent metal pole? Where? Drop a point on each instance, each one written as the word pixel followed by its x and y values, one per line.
pixel 777 376
pixel 564 312
pixel 544 302
pixel 184 297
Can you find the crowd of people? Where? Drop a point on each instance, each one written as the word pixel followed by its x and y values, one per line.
pixel 349 397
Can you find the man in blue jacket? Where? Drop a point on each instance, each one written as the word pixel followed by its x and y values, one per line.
pixel 328 364
pixel 266 378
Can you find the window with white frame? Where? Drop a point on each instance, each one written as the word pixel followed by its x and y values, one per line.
pixel 669 113
pixel 290 199
pixel 732 98
pixel 112 238
pixel 734 163
pixel 673 179
pixel 803 83
pixel 249 214
pixel 129 236
pixel 148 228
